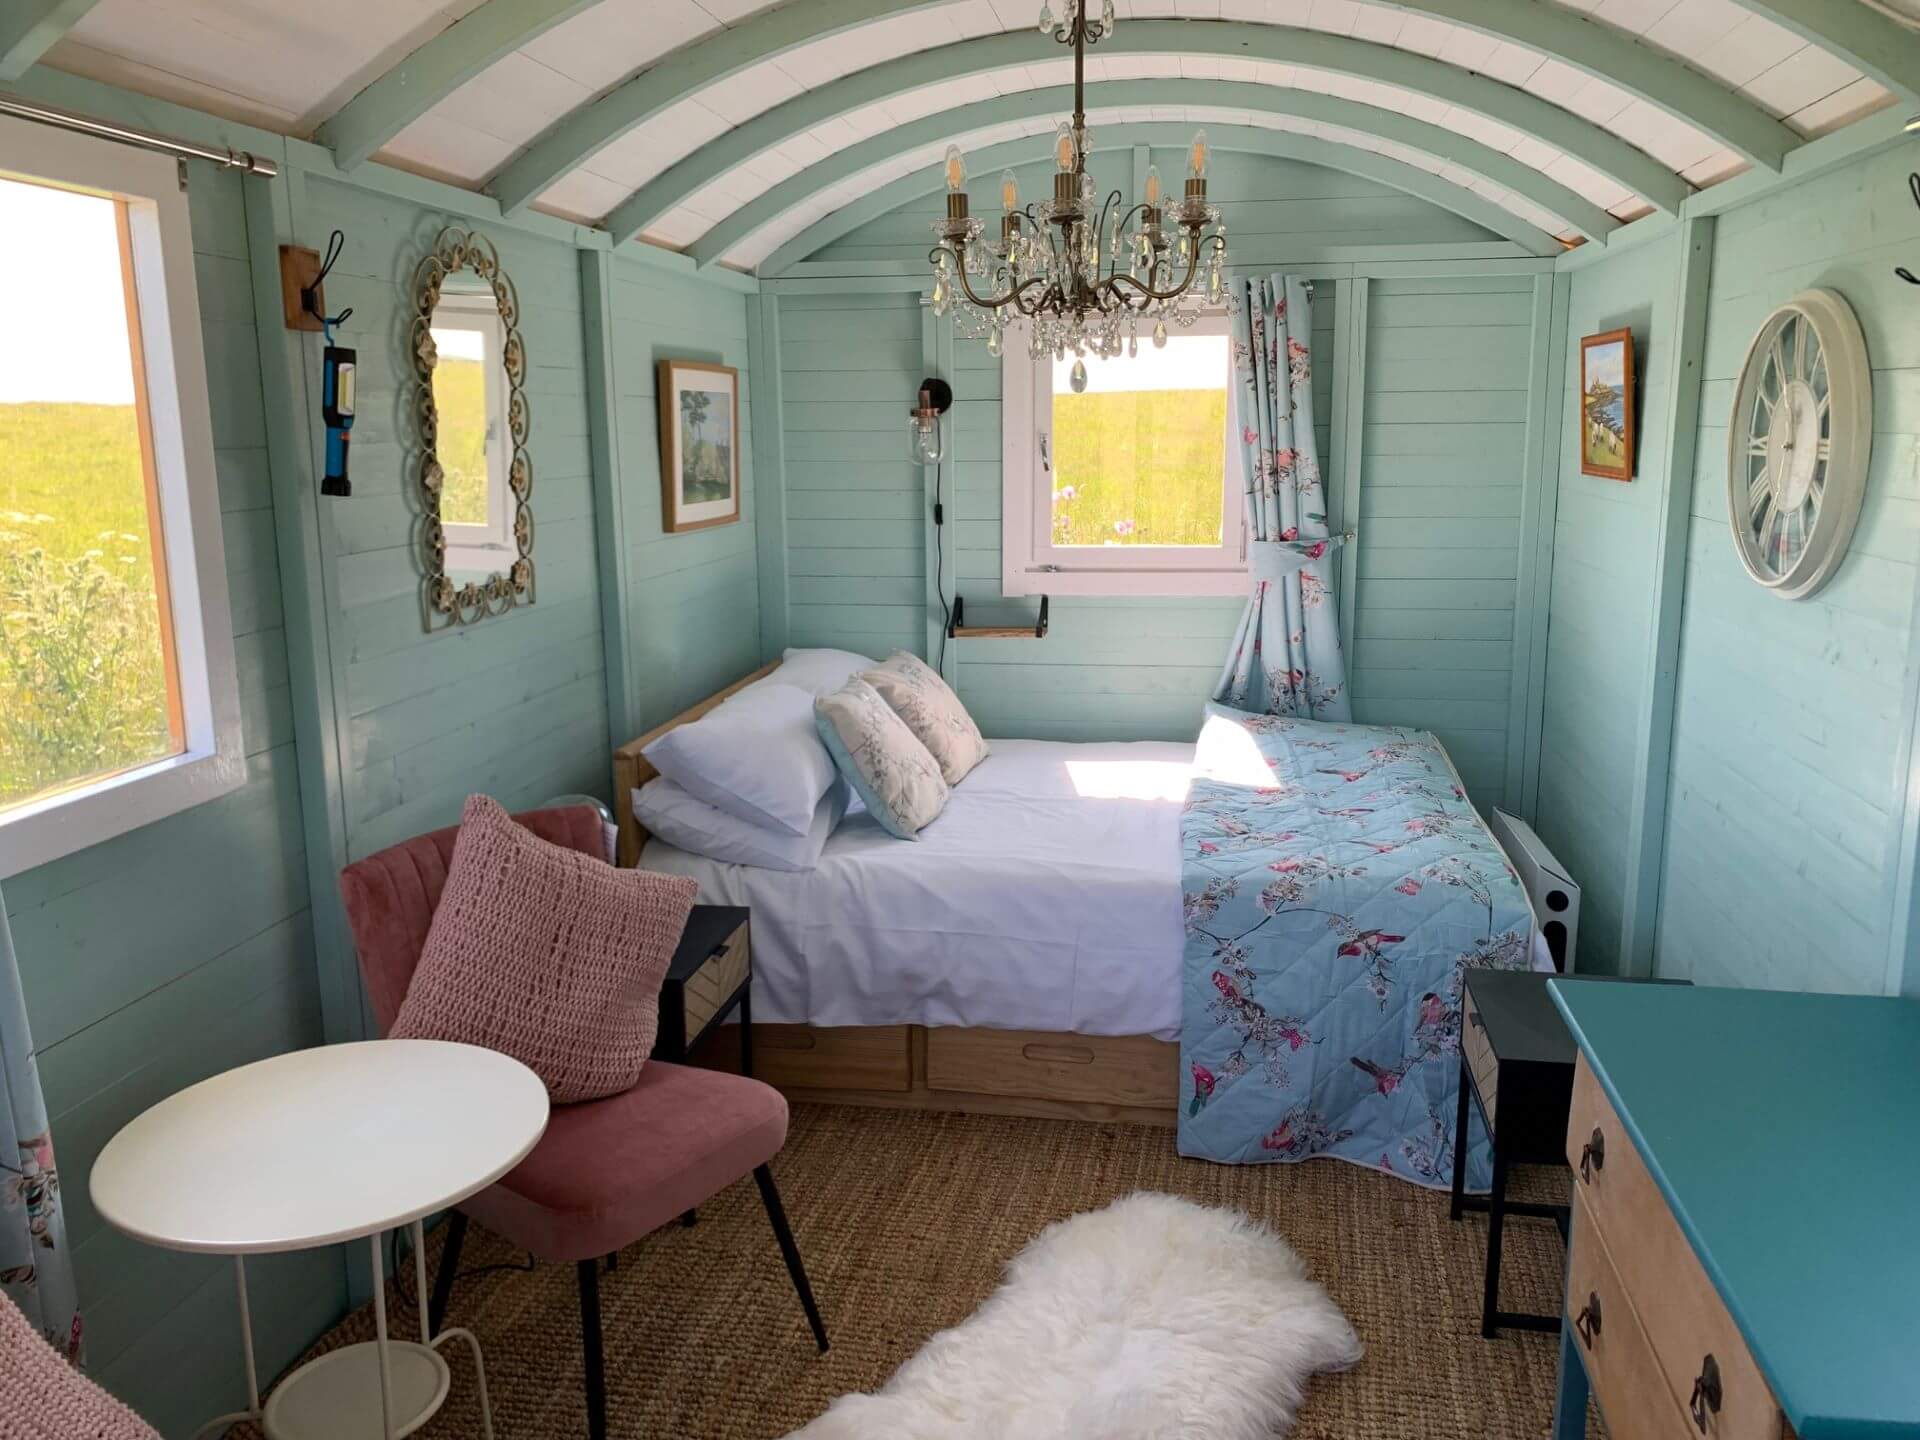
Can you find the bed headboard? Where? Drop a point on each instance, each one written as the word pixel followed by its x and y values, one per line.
pixel 631 769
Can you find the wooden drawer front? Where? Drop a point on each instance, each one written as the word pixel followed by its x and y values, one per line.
pixel 808 1057
pixel 1678 1308
pixel 708 988
pixel 1105 1069
pixel 1479 1056
pixel 1619 1357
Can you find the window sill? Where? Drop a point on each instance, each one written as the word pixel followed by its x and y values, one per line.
pixel 1145 584
pixel 60 824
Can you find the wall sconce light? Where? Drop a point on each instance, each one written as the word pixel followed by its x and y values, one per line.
pixel 924 442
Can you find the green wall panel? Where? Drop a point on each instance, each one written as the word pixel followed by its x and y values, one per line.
pixel 178 950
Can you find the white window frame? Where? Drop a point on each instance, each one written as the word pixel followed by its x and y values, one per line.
pixel 213 761
pixel 1030 564
pixel 489 546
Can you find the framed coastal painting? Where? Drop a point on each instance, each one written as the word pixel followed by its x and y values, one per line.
pixel 1606 405
pixel 699 445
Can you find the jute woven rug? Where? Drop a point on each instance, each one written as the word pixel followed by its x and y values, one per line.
pixel 905 1221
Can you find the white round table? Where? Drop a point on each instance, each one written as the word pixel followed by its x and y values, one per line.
pixel 316 1147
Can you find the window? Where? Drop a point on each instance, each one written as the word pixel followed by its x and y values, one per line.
pixel 118 701
pixel 1130 487
pixel 470 396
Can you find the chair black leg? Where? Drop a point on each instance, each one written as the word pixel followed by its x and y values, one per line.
pixel 590 1345
pixel 449 1268
pixel 777 1216
pixel 690 1218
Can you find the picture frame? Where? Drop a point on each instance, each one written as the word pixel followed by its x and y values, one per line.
pixel 699 445
pixel 1604 418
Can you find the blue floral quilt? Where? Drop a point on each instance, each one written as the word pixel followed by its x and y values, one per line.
pixel 1336 884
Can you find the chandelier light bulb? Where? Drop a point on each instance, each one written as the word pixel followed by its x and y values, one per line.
pixel 1153 186
pixel 1197 156
pixel 1065 152
pixel 1009 192
pixel 956 169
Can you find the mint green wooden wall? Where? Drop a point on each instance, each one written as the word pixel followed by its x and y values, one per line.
pixel 1791 755
pixel 693 607
pixel 185 948
pixel 215 937
pixel 1442 465
pixel 1785 857
pixel 516 705
pixel 857 511
pixel 1603 569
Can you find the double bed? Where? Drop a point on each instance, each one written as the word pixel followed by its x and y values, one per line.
pixel 1030 952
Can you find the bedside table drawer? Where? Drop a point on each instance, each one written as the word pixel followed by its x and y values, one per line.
pixel 1676 1304
pixel 710 987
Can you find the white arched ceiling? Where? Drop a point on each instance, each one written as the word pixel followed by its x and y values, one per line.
pixel 292 66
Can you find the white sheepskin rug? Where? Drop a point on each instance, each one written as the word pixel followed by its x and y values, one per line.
pixel 1154 1319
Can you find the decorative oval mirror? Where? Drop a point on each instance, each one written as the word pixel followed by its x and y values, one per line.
pixel 475 476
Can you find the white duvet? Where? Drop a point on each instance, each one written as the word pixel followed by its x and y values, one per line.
pixel 1045 897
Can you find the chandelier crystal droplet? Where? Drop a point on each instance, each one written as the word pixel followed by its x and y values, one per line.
pixel 1082 273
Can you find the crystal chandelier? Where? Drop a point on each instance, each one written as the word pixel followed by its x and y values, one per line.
pixel 1085 275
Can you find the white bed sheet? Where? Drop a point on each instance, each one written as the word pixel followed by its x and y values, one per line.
pixel 1045 897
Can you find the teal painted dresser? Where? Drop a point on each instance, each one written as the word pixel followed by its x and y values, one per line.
pixel 1745 1256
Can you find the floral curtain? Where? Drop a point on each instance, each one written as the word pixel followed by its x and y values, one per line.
pixel 36 1268
pixel 1285 657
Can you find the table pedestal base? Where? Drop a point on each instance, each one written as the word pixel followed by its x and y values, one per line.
pixel 380 1389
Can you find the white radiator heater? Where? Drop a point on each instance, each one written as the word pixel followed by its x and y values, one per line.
pixel 1554 894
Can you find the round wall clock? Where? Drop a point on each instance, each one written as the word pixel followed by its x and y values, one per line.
pixel 1798 444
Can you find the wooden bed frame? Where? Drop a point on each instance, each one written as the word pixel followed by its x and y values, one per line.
pixel 1046 1074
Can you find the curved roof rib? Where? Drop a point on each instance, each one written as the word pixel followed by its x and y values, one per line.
pixel 1482 160
pixel 1595 48
pixel 401 95
pixel 1246 139
pixel 1874 43
pixel 1516 109
pixel 31 30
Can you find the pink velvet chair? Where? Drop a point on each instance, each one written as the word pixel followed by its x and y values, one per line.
pixel 607 1171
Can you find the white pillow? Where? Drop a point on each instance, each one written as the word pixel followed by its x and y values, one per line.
pixel 757 756
pixel 689 823
pixel 820 671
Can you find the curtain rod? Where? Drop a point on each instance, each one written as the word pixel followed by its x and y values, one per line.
pixel 127 135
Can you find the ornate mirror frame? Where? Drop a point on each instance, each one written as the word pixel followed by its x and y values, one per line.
pixel 444 602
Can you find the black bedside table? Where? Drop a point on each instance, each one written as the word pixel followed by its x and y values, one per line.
pixel 711 973
pixel 1516 1064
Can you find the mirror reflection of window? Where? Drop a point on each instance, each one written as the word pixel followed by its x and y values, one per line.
pixel 470 395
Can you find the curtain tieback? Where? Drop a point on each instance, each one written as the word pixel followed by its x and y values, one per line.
pixel 1277 559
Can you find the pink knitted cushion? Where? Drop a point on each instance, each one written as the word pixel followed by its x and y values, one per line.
pixel 42 1397
pixel 546 954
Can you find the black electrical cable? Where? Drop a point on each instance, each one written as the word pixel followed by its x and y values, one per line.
pixel 939 566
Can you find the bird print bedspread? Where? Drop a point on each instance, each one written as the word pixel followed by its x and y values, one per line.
pixel 1336 882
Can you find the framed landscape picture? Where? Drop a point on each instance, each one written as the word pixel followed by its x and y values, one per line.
pixel 1606 405
pixel 699 445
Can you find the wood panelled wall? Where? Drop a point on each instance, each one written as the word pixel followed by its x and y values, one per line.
pixel 1442 461
pixel 182 949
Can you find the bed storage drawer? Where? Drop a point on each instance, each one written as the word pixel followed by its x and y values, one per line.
pixel 1134 1070
pixel 1676 1305
pixel 807 1057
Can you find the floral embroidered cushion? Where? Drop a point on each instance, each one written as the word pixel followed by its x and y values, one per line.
pixel 546 954
pixel 932 711
pixel 895 776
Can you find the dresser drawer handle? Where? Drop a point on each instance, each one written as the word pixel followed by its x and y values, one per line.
pixel 1593 1155
pixel 1706 1393
pixel 1587 1322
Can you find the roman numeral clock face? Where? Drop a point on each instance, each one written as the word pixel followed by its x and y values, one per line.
pixel 1800 438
